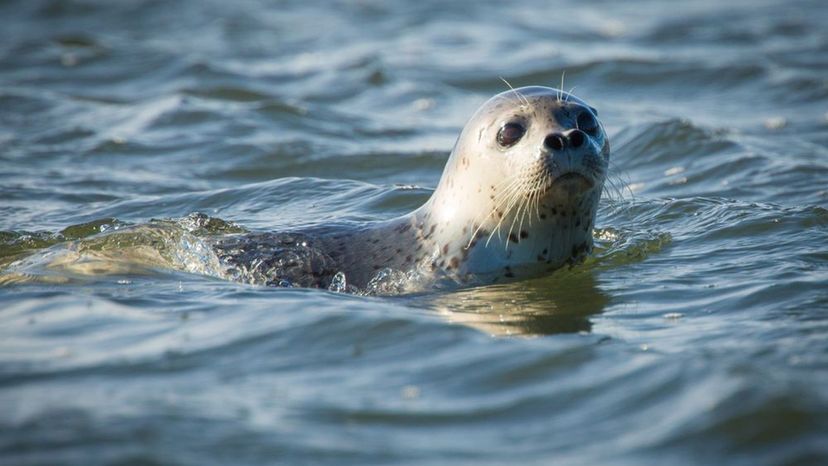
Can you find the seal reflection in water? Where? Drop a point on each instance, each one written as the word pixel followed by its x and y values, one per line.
pixel 517 199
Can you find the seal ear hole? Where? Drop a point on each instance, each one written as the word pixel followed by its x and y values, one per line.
pixel 510 134
pixel 587 123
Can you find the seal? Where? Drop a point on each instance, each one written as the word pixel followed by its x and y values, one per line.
pixel 517 199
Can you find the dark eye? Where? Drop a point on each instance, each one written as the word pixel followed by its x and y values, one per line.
pixel 510 134
pixel 587 123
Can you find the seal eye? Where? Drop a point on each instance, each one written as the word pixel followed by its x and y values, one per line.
pixel 510 133
pixel 587 123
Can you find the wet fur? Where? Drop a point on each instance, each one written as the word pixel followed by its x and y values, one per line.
pixel 497 213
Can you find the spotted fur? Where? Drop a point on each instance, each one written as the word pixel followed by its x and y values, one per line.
pixel 498 212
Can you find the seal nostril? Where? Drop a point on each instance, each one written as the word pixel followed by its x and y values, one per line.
pixel 577 138
pixel 555 142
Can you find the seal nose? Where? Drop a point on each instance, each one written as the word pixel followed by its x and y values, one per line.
pixel 558 141
pixel 576 138
pixel 555 141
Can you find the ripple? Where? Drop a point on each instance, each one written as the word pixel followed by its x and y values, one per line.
pixel 120 120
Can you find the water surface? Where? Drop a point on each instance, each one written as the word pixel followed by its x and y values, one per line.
pixel 697 333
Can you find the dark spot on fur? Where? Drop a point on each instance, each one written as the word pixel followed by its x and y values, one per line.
pixel 524 234
pixel 454 262
pixel 399 250
pixel 541 258
pixel 554 211
pixel 543 216
pixel 408 258
pixel 513 238
pixel 445 249
pixel 376 267
pixel 545 252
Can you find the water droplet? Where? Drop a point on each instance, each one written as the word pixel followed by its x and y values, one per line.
pixel 339 283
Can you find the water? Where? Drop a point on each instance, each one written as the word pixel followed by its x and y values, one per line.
pixel 697 333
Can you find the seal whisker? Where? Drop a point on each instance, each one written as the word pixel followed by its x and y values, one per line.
pixel 533 199
pixel 523 208
pixel 498 201
pixel 513 198
pixel 569 94
pixel 560 90
pixel 538 193
pixel 524 101
pixel 615 182
pixel 524 211
pixel 510 200
pixel 615 188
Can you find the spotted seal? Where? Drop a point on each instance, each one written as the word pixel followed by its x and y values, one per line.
pixel 517 199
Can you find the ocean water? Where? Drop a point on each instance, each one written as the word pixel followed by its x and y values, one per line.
pixel 696 333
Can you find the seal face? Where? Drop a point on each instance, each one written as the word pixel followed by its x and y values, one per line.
pixel 517 198
pixel 519 193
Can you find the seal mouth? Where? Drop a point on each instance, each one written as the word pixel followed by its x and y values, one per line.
pixel 574 181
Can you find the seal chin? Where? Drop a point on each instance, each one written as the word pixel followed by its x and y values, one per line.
pixel 573 182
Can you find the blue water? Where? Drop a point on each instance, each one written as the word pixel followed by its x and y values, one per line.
pixel 696 333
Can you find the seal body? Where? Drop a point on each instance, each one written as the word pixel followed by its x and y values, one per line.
pixel 517 198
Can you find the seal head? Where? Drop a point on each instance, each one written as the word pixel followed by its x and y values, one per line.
pixel 519 193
